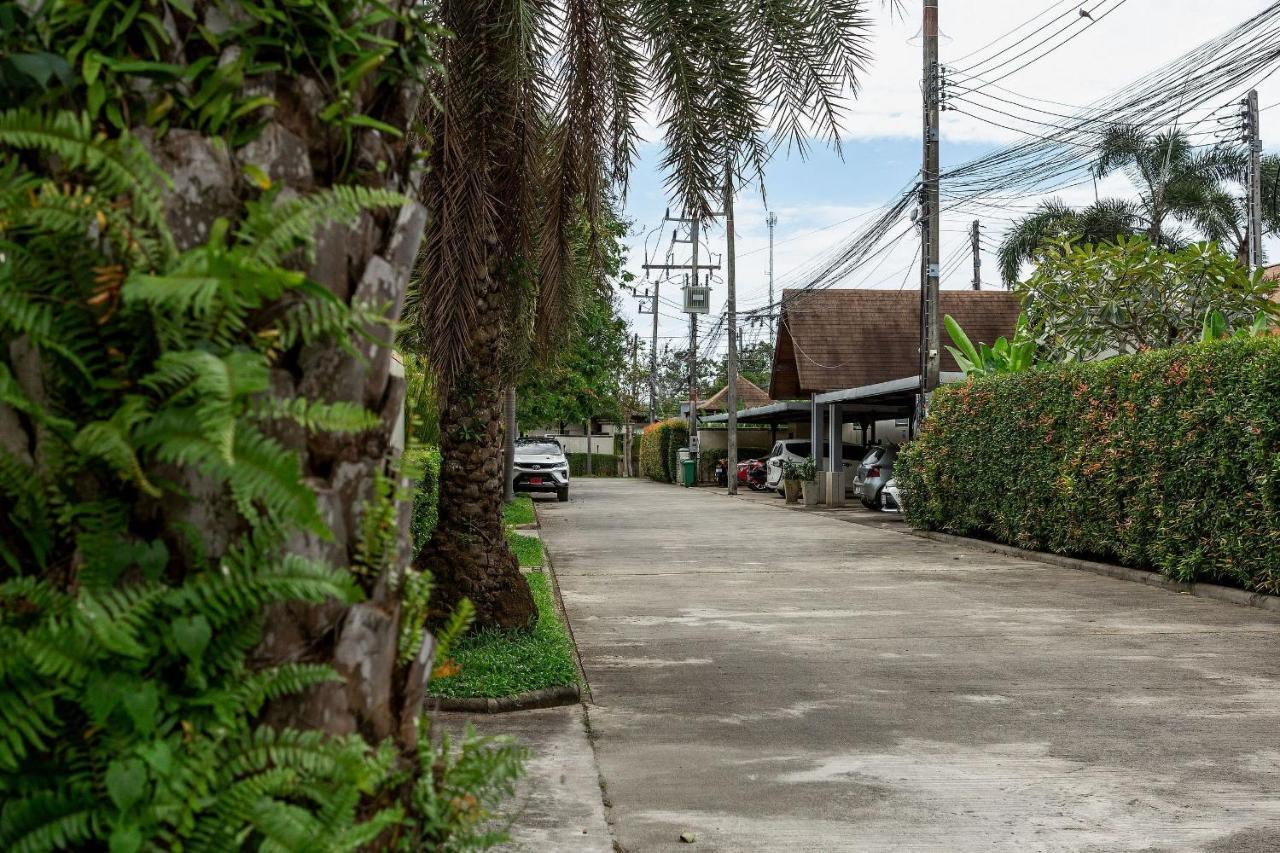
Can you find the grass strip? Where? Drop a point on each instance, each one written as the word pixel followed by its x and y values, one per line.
pixel 519 511
pixel 496 663
pixel 528 549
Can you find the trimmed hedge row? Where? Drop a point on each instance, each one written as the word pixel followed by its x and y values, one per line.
pixel 1167 460
pixel 602 465
pixel 658 449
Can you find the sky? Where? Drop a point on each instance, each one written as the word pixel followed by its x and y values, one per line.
pixel 823 199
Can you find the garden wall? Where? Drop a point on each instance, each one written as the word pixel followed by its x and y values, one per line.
pixel 1168 460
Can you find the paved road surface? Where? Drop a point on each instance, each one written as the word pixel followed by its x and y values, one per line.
pixel 778 680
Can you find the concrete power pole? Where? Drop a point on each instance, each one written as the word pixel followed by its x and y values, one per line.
pixel 930 272
pixel 1253 131
pixel 773 329
pixel 975 236
pixel 693 338
pixel 731 368
pixel 509 452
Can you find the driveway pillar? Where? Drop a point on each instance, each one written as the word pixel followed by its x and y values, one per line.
pixel 835 458
pixel 815 441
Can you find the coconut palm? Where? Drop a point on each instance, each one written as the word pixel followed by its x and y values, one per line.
pixel 1174 181
pixel 1103 220
pixel 537 111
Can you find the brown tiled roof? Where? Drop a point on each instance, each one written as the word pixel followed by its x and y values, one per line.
pixel 750 395
pixel 834 339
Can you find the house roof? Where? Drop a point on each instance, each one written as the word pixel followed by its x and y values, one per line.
pixel 834 339
pixel 750 395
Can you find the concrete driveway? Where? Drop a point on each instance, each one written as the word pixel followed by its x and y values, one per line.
pixel 777 680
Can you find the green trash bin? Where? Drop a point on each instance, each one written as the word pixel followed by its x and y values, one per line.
pixel 689 473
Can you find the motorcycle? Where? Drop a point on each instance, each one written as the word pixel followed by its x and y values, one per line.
pixel 754 474
pixel 722 472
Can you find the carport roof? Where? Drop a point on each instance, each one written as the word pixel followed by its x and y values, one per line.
pixel 892 399
pixel 785 412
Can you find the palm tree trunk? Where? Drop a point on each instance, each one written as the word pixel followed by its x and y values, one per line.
pixel 468 554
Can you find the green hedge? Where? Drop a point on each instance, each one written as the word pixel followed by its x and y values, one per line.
pixel 1167 460
pixel 658 448
pixel 423 463
pixel 602 465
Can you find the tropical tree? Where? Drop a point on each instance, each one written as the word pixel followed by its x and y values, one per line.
pixel 535 121
pixel 209 214
pixel 1103 220
pixel 1089 301
pixel 1174 180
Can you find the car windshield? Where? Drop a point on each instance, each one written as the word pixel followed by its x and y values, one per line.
pixel 873 456
pixel 538 448
pixel 799 448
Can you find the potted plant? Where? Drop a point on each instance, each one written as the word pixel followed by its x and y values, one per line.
pixel 796 475
pixel 808 470
pixel 790 481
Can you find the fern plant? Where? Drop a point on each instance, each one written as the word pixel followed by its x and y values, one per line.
pixel 137 380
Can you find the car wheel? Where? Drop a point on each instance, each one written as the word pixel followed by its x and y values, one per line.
pixel 562 495
pixel 877 503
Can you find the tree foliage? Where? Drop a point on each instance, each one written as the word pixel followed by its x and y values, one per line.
pixel 1086 301
pixel 1175 180
pixel 585 380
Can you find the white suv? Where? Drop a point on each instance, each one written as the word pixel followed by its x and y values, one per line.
pixel 541 466
pixel 799 449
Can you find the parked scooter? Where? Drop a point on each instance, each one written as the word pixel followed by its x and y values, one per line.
pixel 754 473
pixel 722 472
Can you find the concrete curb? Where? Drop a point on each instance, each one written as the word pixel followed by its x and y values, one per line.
pixel 550 697
pixel 549 570
pixel 1260 600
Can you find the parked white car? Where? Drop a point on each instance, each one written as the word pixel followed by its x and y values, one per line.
pixel 799 449
pixel 892 497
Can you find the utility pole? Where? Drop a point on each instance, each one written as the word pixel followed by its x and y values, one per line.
pixel 975 236
pixel 1253 133
pixel 693 340
pixel 653 350
pixel 695 268
pixel 632 399
pixel 731 368
pixel 509 452
pixel 931 230
pixel 773 329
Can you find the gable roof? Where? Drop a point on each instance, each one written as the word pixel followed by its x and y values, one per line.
pixel 750 395
pixel 834 339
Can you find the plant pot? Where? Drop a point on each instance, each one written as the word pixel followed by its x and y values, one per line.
pixel 791 488
pixel 811 493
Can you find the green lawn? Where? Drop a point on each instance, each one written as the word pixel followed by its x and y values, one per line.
pixel 528 549
pixel 519 511
pixel 499 663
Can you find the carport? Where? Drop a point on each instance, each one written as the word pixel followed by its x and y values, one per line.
pixel 864 406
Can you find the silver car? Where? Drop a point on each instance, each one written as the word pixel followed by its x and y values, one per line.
pixel 876 470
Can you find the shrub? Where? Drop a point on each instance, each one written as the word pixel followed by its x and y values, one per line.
pixel 1167 460
pixel 602 465
pixel 658 446
pixel 424 465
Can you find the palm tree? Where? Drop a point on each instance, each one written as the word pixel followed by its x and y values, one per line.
pixel 1174 181
pixel 1104 220
pixel 536 120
